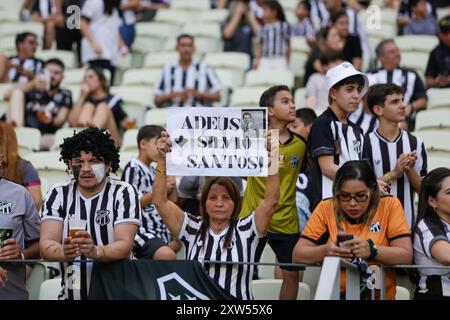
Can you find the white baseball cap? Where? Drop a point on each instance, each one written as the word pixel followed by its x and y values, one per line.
pixel 343 71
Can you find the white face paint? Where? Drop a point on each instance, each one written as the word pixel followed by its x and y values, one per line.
pixel 99 171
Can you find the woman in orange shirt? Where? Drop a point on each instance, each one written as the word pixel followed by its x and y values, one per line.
pixel 378 225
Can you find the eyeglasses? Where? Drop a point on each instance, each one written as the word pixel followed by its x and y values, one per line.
pixel 348 197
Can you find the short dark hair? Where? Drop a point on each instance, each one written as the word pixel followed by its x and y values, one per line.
pixel 246 114
pixel 306 115
pixel 56 61
pixel 330 56
pixel 94 140
pixel 268 96
pixel 336 15
pixel 380 47
pixel 306 4
pixel 185 35
pixel 376 95
pixel 276 6
pixel 413 3
pixel 22 36
pixel 148 132
pixel 359 79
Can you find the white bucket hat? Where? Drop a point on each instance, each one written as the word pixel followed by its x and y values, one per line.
pixel 343 71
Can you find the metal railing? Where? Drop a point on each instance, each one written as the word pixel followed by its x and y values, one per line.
pixel 330 280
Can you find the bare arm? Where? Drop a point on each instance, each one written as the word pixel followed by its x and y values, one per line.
pixel 131 5
pixel 36 194
pixel 32 251
pixel 171 214
pixel 441 252
pixel 308 252
pixel 122 245
pixel 414 179
pixel 230 28
pixel 288 51
pixel 26 87
pixel 87 33
pixel 160 100
pixel 258 54
pixel 357 62
pixel 221 4
pixel 419 104
pixel 59 15
pixel 74 114
pixel 327 166
pixel 210 96
pixel 172 194
pixel 50 241
pixel 267 207
pixel 254 24
pixel 61 117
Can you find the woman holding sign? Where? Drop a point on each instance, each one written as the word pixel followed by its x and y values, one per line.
pixel 218 233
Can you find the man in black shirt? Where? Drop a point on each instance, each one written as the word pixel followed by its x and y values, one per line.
pixel 437 73
pixel 42 104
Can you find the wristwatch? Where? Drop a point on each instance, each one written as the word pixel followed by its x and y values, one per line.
pixel 373 249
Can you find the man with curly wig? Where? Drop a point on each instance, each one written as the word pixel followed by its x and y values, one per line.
pixel 108 208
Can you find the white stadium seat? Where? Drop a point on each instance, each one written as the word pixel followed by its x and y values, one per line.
pixel 159 59
pixel 129 142
pixel 141 77
pixel 177 17
pixel 189 5
pixel 433 119
pixel 434 162
pixel 438 98
pixel 247 97
pixel 269 289
pixel 300 98
pixel 257 78
pixel 48 166
pixel 13 28
pixel 28 140
pixel 420 43
pixel 435 140
pixel 61 134
pixel 156 116
pixel 228 60
pixel 217 15
pixel 67 57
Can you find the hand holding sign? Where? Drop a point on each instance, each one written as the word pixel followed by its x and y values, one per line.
pixel 163 144
pixel 272 148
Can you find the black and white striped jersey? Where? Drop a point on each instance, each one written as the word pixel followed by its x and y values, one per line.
pixel 198 75
pixel 368 122
pixel 115 204
pixel 433 282
pixel 33 64
pixel 320 15
pixel 331 137
pixel 273 38
pixel 409 80
pixel 142 178
pixel 383 155
pixel 236 279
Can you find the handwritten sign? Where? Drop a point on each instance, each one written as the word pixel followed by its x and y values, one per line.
pixel 217 141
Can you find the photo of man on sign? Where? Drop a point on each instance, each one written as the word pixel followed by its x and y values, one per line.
pixel 218 142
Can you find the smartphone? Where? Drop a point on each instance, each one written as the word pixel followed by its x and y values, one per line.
pixel 5 233
pixel 342 237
